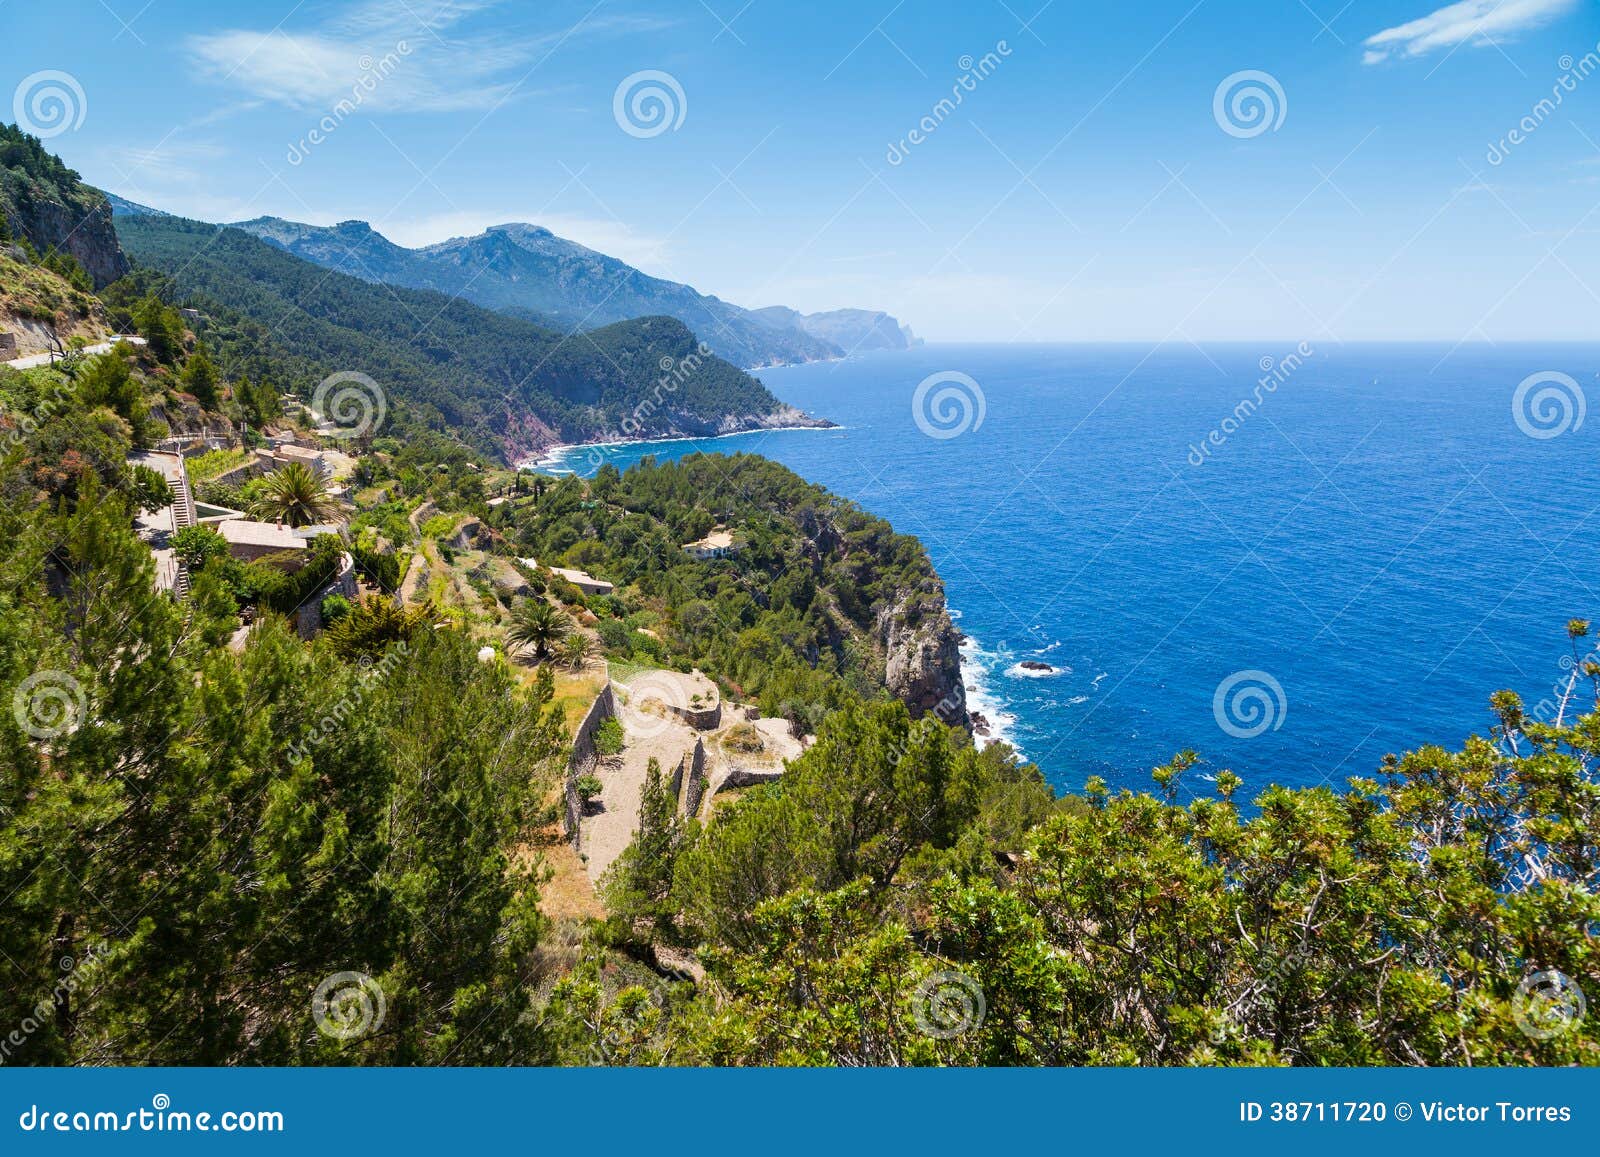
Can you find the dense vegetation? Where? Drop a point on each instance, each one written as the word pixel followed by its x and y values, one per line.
pixel 1388 923
pixel 496 380
pixel 187 846
pixel 788 619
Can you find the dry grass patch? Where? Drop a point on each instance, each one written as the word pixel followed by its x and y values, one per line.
pixel 575 692
pixel 568 894
pixel 743 739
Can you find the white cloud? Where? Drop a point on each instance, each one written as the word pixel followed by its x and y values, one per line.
pixel 170 161
pixel 1455 24
pixel 412 59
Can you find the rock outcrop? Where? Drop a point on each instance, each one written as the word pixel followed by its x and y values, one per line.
pixel 81 227
pixel 922 658
pixel 851 330
pixel 47 203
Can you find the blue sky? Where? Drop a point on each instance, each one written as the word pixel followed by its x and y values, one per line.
pixel 1094 183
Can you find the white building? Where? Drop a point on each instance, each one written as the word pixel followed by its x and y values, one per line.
pixel 718 544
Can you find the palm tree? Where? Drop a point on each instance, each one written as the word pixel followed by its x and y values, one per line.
pixel 295 495
pixel 576 650
pixel 537 625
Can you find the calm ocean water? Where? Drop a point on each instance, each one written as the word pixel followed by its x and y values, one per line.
pixel 1373 544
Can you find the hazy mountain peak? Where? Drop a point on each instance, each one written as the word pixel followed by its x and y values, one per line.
pixel 526 269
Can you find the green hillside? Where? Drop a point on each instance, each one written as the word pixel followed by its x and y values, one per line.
pixel 504 383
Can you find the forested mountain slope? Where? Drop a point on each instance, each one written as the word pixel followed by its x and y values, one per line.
pixel 498 380
pixel 530 272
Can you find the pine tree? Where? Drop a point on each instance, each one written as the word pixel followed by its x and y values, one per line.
pixel 200 378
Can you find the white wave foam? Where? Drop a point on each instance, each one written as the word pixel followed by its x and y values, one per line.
pixel 976 667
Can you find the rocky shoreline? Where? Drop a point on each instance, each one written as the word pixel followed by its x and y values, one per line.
pixel 541 450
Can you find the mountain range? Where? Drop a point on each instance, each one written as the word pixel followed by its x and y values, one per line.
pixel 501 381
pixel 528 271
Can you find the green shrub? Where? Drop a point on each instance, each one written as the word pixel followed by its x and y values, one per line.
pixel 616 636
pixel 198 545
pixel 382 569
pixel 608 738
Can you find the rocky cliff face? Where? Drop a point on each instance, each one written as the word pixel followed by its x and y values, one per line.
pixel 922 658
pixel 47 203
pixel 848 330
pixel 79 227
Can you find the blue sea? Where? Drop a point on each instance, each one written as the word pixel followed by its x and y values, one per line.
pixel 1290 559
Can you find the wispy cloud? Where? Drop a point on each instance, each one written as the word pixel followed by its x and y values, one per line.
pixel 1455 24
pixel 174 159
pixel 443 59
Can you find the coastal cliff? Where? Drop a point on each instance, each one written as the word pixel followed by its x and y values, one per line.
pixel 922 657
pixel 526 438
pixel 509 387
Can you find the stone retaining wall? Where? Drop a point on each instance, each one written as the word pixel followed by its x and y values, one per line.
pixel 585 758
pixel 237 475
pixel 700 718
pixel 308 616
pixel 692 773
pixel 749 776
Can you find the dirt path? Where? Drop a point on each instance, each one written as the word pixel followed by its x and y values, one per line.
pixel 614 816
